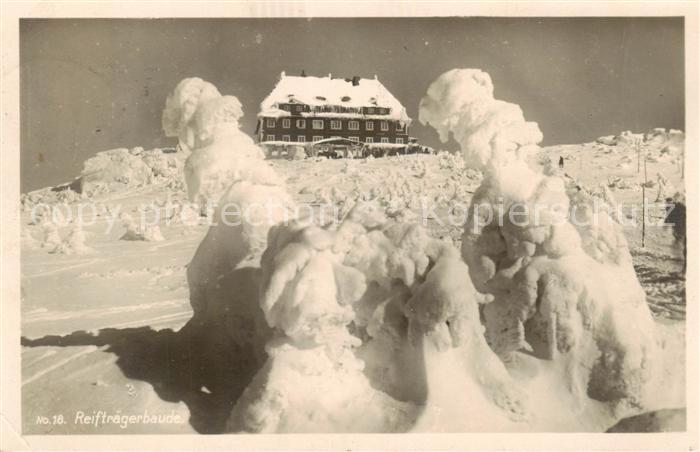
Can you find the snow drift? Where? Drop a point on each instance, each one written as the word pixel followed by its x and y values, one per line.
pixel 120 169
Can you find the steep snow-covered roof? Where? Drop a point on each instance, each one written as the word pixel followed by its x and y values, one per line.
pixel 321 91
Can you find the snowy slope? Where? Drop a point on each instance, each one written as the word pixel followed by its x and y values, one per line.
pixel 104 330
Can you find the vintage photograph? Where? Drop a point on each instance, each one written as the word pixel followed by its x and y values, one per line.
pixel 353 225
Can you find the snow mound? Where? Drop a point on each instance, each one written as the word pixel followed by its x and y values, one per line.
pixel 658 143
pixel 134 232
pixel 116 165
pixel 114 170
pixel 49 196
pixel 122 168
pixel 163 165
pixel 52 238
pixel 564 289
pixel 629 138
pixel 608 140
pixel 74 243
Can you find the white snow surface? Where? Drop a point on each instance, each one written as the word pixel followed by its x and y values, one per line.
pixel 321 91
pixel 69 293
pixel 373 324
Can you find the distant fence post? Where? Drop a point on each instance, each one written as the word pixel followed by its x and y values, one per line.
pixel 683 162
pixel 644 203
pixel 638 145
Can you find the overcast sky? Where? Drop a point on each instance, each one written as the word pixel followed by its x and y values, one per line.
pixel 90 85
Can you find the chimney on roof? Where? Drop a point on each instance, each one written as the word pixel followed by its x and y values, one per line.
pixel 355 80
pixel 303 73
pixel 283 75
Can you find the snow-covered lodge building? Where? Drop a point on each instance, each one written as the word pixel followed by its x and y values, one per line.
pixel 304 110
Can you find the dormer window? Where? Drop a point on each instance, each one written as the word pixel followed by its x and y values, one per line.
pixel 345 99
pixel 320 98
pixel 370 110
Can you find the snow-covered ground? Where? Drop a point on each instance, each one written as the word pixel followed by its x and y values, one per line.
pixel 103 328
pixel 367 295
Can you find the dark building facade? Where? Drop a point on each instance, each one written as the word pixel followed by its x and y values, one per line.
pixel 310 109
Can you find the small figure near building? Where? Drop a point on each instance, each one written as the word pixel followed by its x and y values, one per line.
pixel 675 216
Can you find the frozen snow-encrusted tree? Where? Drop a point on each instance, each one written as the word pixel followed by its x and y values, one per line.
pixel 180 108
pixel 563 288
pixel 52 238
pixel 207 124
pixel 404 296
pixel 74 243
pixel 227 171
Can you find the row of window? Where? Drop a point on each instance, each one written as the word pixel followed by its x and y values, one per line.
pixel 296 108
pixel 336 124
pixel 336 109
pixel 302 139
